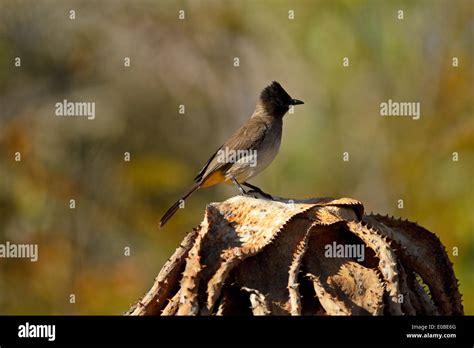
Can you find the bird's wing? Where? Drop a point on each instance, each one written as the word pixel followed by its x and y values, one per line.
pixel 247 137
pixel 200 175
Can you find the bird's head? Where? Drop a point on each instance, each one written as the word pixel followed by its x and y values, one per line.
pixel 276 102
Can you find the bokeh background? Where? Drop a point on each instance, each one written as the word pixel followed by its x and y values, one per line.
pixel 191 62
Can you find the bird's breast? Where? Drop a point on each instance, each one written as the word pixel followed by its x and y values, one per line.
pixel 269 148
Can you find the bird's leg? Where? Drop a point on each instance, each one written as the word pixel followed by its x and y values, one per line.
pixel 257 189
pixel 241 189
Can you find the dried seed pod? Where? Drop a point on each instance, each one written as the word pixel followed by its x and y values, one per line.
pixel 261 257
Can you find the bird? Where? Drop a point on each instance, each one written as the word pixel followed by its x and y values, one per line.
pixel 248 151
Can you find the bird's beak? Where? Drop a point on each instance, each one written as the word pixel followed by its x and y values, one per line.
pixel 296 102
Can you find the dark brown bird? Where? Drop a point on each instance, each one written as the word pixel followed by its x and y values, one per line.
pixel 249 151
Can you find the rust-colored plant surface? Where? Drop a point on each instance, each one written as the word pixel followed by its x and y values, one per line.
pixel 255 256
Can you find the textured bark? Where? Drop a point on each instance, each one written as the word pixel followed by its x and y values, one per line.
pixel 255 256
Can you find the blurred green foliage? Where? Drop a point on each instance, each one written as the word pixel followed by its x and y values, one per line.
pixel 190 62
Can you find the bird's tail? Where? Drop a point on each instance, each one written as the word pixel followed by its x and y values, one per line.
pixel 175 206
